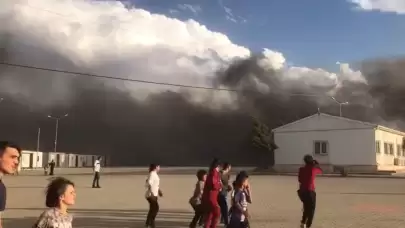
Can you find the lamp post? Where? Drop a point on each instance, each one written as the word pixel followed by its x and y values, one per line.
pixel 56 128
pixel 340 105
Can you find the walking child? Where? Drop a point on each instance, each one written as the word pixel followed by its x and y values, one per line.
pixel 195 200
pixel 241 198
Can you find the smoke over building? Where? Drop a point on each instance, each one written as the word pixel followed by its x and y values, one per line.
pixel 138 123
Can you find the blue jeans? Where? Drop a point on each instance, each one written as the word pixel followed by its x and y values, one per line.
pixel 223 204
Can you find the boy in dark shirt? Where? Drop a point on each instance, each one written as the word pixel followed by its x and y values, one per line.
pixel 195 200
pixel 306 192
pixel 9 159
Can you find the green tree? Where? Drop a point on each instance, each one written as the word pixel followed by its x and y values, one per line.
pixel 263 141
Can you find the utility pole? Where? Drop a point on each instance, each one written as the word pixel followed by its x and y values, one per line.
pixel 56 129
pixel 340 105
pixel 38 138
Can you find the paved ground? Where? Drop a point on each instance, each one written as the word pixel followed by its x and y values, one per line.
pixel 342 202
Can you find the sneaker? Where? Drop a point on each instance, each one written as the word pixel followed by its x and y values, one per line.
pixel 302 226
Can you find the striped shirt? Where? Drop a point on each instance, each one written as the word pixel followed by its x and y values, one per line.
pixel 53 218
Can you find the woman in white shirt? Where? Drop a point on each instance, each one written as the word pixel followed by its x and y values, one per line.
pixel 152 193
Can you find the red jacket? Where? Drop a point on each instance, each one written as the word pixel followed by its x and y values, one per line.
pixel 212 187
pixel 306 177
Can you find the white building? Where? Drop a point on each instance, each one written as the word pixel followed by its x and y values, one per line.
pixel 37 159
pixel 31 159
pixel 339 142
pixel 64 160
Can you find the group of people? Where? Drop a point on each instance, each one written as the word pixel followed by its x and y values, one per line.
pixel 209 200
pixel 210 197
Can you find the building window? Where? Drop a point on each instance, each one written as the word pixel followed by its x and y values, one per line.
pixel 399 150
pixel 403 152
pixel 321 148
pixel 386 148
pixel 391 147
pixel 377 147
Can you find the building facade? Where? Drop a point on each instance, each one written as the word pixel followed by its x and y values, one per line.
pixel 37 159
pixel 338 142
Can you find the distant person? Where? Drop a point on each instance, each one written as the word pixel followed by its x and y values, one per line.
pixel 195 200
pixel 239 210
pixel 210 196
pixel 9 159
pixel 60 195
pixel 152 193
pixel 306 191
pixel 46 169
pixel 97 169
pixel 52 165
pixel 223 194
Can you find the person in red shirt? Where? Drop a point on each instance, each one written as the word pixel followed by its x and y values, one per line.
pixel 306 191
pixel 210 196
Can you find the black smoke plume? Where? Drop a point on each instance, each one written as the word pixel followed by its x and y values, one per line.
pixel 166 127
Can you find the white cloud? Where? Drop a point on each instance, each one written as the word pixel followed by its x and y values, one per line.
pixel 173 11
pixel 393 6
pixel 230 16
pixel 195 9
pixel 106 37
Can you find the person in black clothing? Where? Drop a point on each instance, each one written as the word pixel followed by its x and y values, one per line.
pixel 52 167
pixel 9 159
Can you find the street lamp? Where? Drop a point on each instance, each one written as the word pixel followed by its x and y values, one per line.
pixel 340 105
pixel 56 128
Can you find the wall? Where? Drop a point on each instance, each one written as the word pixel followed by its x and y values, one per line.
pixel 354 148
pixel 63 159
pixel 386 161
pixel 66 160
pixel 25 159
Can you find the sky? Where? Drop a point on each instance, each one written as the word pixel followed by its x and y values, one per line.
pixel 312 33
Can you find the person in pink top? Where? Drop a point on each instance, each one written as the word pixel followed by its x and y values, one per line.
pixel 306 191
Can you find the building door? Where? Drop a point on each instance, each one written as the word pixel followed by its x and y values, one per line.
pixel 57 160
pixel 31 161
pixel 77 161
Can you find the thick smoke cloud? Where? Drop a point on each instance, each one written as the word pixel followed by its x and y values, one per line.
pixel 141 123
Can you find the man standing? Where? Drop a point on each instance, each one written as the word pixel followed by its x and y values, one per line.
pixel 9 158
pixel 223 194
pixel 51 167
pixel 97 168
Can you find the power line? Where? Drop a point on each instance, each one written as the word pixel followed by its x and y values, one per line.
pixel 113 78
pixel 134 80
pixel 142 81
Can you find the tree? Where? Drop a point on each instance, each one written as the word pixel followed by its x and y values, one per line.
pixel 263 141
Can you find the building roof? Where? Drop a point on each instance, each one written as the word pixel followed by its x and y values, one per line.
pixel 365 124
